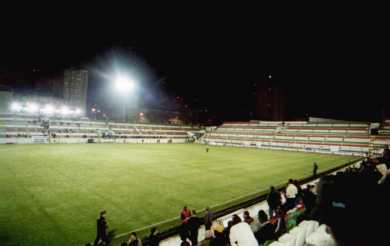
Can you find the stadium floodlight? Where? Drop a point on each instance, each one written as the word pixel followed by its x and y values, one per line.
pixel 124 84
pixel 48 109
pixel 65 110
pixel 77 111
pixel 32 108
pixel 16 107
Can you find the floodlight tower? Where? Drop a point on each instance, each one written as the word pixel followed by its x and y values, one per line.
pixel 124 85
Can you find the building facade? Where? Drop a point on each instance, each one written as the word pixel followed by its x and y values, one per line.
pixel 270 100
pixel 75 87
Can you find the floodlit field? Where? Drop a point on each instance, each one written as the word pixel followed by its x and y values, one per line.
pixel 52 194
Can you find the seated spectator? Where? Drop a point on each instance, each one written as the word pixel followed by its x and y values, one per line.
pixel 274 200
pixel 247 218
pixel 218 238
pixel 226 232
pixel 133 240
pixel 267 230
pixel 291 194
pixel 279 222
pixel 217 227
pixel 236 219
pixel 241 234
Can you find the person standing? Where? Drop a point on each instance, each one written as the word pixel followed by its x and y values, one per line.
pixel 315 169
pixel 102 229
pixel 194 223
pixel 208 221
pixel 274 200
pixel 185 215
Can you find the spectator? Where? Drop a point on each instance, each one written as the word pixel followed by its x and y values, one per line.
pixel 183 233
pixel 267 230
pixel 208 218
pixel 241 235
pixel 315 169
pixel 236 219
pixel 274 200
pixel 185 215
pixel 386 156
pixel 226 232
pixel 102 229
pixel 309 198
pixel 217 227
pixel 291 193
pixel 153 239
pixel 247 218
pixel 194 223
pixel 279 222
pixel 134 240
pixel 218 231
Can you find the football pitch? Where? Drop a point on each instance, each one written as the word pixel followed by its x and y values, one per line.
pixel 52 194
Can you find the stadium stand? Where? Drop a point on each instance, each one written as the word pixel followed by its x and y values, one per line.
pixel 340 138
pixel 385 128
pixel 28 129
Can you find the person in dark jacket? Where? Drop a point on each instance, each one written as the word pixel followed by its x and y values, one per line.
pixel 274 200
pixel 153 239
pixel 194 223
pixel 315 169
pixel 309 199
pixel 208 219
pixel 102 229
pixel 184 235
pixel 266 231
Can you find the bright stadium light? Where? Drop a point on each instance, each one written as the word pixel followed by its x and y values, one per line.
pixel 32 108
pixel 77 111
pixel 48 109
pixel 16 107
pixel 124 84
pixel 65 110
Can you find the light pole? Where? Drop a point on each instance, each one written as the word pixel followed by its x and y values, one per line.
pixel 124 85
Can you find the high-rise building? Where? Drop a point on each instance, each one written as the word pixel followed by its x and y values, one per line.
pixel 270 100
pixel 75 88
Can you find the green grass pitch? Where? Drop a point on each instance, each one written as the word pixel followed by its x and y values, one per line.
pixel 52 194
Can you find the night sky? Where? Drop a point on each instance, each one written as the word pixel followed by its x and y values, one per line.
pixel 331 68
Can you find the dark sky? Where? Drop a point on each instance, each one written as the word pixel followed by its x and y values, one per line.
pixel 330 67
